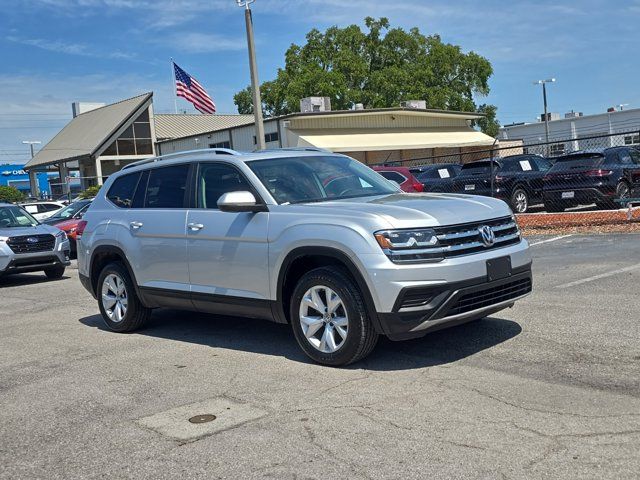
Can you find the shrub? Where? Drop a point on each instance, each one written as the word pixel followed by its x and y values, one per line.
pixel 10 194
pixel 90 192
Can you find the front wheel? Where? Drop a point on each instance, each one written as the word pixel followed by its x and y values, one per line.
pixel 120 307
pixel 520 201
pixel 329 318
pixel 55 273
pixel 623 192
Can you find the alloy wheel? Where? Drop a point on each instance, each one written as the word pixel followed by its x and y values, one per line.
pixel 521 202
pixel 114 297
pixel 323 318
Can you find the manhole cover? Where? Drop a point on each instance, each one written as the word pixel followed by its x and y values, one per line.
pixel 202 418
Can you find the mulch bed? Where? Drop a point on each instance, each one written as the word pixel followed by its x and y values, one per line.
pixel 604 221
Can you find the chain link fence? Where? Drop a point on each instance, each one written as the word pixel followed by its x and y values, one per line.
pixel 590 178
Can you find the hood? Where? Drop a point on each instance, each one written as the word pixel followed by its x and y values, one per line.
pixel 411 210
pixel 67 224
pixel 19 231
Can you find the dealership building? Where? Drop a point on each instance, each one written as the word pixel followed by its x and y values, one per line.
pixel 101 139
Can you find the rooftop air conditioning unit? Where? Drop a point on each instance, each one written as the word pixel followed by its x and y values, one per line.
pixel 573 114
pixel 315 104
pixel 417 104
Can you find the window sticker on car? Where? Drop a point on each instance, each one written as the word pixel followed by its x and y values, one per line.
pixel 444 173
pixel 526 166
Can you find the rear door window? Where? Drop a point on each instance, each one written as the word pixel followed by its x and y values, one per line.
pixel 167 187
pixel 625 157
pixel 122 191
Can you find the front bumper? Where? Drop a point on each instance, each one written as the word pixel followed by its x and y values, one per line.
pixel 421 310
pixel 11 262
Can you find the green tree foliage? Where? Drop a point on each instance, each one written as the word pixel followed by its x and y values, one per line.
pixel 379 68
pixel 10 195
pixel 90 192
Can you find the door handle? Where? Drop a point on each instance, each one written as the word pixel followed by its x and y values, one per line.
pixel 195 226
pixel 136 225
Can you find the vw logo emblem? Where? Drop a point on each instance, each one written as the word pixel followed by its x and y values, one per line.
pixel 487 236
pixel 32 240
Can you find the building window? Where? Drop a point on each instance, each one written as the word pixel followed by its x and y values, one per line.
pixel 220 145
pixel 135 140
pixel 556 149
pixel 268 137
pixel 632 139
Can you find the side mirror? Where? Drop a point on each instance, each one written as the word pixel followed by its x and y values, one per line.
pixel 239 202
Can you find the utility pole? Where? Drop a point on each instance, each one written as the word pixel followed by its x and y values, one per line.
pixel 253 66
pixel 33 176
pixel 546 112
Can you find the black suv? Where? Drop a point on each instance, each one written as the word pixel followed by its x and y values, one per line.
pixel 597 176
pixel 437 178
pixel 516 179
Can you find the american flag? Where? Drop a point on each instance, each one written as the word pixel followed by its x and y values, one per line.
pixel 188 88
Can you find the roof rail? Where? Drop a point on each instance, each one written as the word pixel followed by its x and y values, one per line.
pixel 170 156
pixel 296 149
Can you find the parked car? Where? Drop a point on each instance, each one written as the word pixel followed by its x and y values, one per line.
pixel 597 176
pixel 71 211
pixel 437 178
pixel 28 246
pixel 517 179
pixel 42 210
pixel 264 235
pixel 402 176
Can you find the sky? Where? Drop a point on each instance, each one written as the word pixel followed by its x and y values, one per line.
pixel 54 52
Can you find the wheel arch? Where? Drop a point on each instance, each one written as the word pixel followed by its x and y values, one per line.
pixel 103 255
pixel 303 259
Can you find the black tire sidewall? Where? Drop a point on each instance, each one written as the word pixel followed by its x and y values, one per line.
pixel 55 272
pixel 129 322
pixel 352 301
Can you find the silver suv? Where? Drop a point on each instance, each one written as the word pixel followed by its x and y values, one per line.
pixel 310 238
pixel 28 246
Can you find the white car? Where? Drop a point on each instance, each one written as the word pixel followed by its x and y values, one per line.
pixel 42 210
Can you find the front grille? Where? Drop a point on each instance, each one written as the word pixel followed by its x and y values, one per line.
pixel 464 239
pixel 32 243
pixel 490 296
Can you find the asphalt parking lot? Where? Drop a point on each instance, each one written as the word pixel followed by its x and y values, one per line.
pixel 548 389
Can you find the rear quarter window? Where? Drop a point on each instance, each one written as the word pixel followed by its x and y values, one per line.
pixel 122 191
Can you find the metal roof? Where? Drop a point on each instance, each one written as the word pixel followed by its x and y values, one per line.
pixel 170 126
pixel 87 133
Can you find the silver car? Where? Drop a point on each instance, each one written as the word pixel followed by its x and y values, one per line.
pixel 28 246
pixel 309 238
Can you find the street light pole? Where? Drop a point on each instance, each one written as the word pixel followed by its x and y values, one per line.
pixel 33 178
pixel 546 112
pixel 253 66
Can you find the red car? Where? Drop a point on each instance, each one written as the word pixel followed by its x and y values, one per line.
pixel 73 228
pixel 403 177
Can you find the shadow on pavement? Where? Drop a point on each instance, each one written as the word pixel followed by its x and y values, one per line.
pixel 259 336
pixel 21 279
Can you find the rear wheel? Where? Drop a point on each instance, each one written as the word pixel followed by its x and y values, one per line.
pixel 120 307
pixel 329 318
pixel 623 192
pixel 55 273
pixel 520 201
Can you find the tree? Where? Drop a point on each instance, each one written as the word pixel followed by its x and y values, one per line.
pixel 10 194
pixel 89 192
pixel 379 67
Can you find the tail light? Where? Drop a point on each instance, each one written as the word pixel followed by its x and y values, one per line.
pixel 418 187
pixel 80 228
pixel 598 173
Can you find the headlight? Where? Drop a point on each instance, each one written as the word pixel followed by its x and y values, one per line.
pixel 406 246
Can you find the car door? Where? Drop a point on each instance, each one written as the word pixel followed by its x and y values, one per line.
pixel 540 168
pixel 155 238
pixel 635 171
pixel 228 251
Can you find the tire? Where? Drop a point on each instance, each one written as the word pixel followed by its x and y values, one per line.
pixel 520 200
pixel 123 311
pixel 55 273
pixel 350 317
pixel 623 190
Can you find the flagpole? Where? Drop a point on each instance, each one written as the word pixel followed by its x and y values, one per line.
pixel 175 92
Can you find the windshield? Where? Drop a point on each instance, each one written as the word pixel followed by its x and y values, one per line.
pixel 318 179
pixel 70 210
pixel 16 217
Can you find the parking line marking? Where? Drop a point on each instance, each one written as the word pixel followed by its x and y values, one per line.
pixel 549 240
pixel 599 277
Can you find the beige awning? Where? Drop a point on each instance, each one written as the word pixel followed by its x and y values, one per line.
pixel 347 140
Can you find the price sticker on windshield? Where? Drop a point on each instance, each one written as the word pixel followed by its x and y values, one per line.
pixel 444 173
pixel 525 165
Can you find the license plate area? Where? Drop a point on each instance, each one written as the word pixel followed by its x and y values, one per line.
pixel 469 187
pixel 498 268
pixel 568 194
